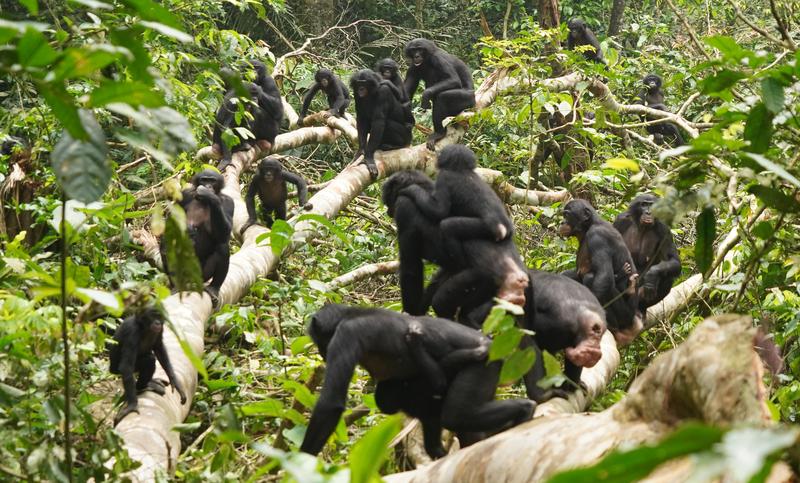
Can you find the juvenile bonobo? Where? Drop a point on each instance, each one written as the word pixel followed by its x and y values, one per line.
pixel 448 83
pixel 381 119
pixel 604 265
pixel 465 204
pixel 491 268
pixel 395 346
pixel 334 89
pixel 389 72
pixel 652 97
pixel 262 113
pixel 139 342
pixel 652 249
pixel 564 316
pixel 581 34
pixel 209 219
pixel 269 183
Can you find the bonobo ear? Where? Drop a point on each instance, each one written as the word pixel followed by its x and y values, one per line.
pixel 586 213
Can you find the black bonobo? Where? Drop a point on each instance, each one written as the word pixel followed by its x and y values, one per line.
pixel 262 115
pixel 334 89
pixel 139 343
pixel 448 83
pixel 652 97
pixel 605 266
pixel 269 184
pixel 381 119
pixel 448 359
pixel 564 316
pixel 465 287
pixel 580 34
pixel 652 248
pixel 209 219
pixel 465 204
pixel 389 72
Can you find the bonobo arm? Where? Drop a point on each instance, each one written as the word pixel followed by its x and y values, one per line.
pixel 602 284
pixel 270 97
pixel 128 348
pixel 340 99
pixel 449 76
pixel 161 354
pixel 307 99
pixel 670 265
pixel 222 122
pixel 302 188
pixel 363 128
pixel 344 351
pixel 250 199
pixel 435 206
pixel 415 338
pixel 380 113
pixel 411 264
pixel 411 82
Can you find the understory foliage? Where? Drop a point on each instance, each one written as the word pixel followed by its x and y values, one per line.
pixel 112 100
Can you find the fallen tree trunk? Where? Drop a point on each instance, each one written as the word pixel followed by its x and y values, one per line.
pixel 714 376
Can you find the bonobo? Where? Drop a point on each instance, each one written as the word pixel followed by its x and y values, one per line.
pixel 395 346
pixel 465 204
pixel 448 83
pixel 269 183
pixel 491 268
pixel 209 218
pixel 604 265
pixel 652 248
pixel 334 89
pixel 139 342
pixel 581 34
pixel 263 114
pixel 381 119
pixel 564 315
pixel 389 72
pixel 652 97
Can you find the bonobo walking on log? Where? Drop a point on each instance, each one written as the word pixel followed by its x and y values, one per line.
pixel 139 343
pixel 392 346
pixel 381 120
pixel 652 248
pixel 269 183
pixel 605 266
pixel 448 83
pixel 652 97
pixel 264 108
pixel 580 34
pixel 490 268
pixel 564 316
pixel 334 89
pixel 209 219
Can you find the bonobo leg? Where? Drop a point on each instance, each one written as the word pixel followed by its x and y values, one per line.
pixel 414 397
pixel 395 136
pixel 146 367
pixel 462 290
pixel 470 405
pixel 280 211
pixel 216 268
pixel 457 229
pixel 267 215
pixel 446 104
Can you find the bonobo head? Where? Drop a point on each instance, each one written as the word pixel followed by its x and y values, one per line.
pixel 653 82
pixel 419 50
pixel 210 179
pixel 324 77
pixel 261 71
pixel 387 68
pixel 578 217
pixel 269 169
pixel 456 157
pixel 576 25
pixel 152 319
pixel 400 180
pixel 364 83
pixel 323 325
pixel 591 327
pixel 11 144
pixel 640 209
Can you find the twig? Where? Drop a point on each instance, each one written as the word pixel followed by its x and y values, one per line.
pixel 362 272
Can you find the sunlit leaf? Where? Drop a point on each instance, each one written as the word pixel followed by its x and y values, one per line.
pixel 370 451
pixel 150 10
pixel 266 407
pixel 622 164
pixel 517 365
pixel 778 170
pixel 133 93
pixel 775 198
pixel 504 343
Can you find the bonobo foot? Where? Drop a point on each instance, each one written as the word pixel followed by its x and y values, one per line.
pixel 128 409
pixel 371 167
pixel 263 145
pixel 434 138
pixel 224 163
pixel 213 292
pixel 157 386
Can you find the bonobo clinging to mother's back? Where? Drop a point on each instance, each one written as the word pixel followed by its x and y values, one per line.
pixel 448 83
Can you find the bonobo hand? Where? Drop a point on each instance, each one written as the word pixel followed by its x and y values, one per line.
pixel 205 193
pixel 129 408
pixel 425 102
pixel 213 292
pixel 182 394
pixel 308 206
pixel 246 226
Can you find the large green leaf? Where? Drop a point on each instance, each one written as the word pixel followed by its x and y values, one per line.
pixel 63 107
pixel 34 50
pixel 704 245
pixel 775 198
pixel 184 269
pixel 516 366
pixel 132 93
pixel 370 451
pixel 772 94
pixel 150 10
pixel 721 81
pixel 504 343
pixel 80 166
pixel 758 129
pixel 80 62
pixel 777 169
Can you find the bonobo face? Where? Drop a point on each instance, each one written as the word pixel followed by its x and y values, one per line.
pixel 210 182
pixel 576 25
pixel 362 91
pixel 576 214
pixel 652 82
pixel 418 57
pixel 269 174
pixel 641 207
pixel 156 326
pixel 387 74
pixel 324 82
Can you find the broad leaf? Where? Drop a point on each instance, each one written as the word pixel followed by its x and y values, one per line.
pixel 772 94
pixel 704 245
pixel 516 366
pixel 758 129
pixel 132 93
pixel 34 50
pixel 182 267
pixel 370 451
pixel 81 166
pixel 504 343
pixel 721 81
pixel 775 198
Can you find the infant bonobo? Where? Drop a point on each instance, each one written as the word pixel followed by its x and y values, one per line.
pixel 139 342
pixel 269 183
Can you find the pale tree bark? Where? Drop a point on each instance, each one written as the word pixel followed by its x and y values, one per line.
pixel 715 377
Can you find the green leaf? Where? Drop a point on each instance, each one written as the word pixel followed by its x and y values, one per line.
pixel 106 299
pixel 267 407
pixel 772 94
pixel 34 51
pixel 81 62
pixel 174 33
pixel 778 170
pixel 300 344
pixel 706 232
pixel 775 198
pixel 280 236
pixel 621 164
pixel 721 81
pixel 31 5
pixel 633 465
pixel 370 451
pixel 132 93
pixel 516 366
pixel 183 268
pixel 150 10
pixel 80 166
pixel 728 47
pixel 338 232
pixel 497 320
pixel 764 230
pixel 504 343
pixel 758 129
pixel 63 107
